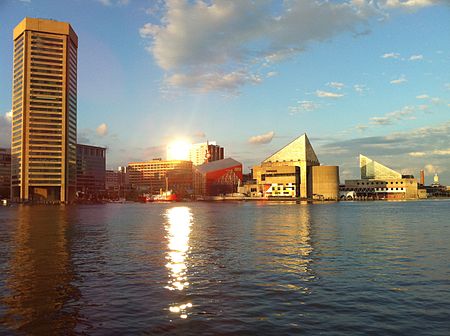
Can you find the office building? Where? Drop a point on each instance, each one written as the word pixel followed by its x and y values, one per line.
pixel 91 169
pixel 156 176
pixel 116 182
pixel 5 173
pixel 44 111
pixel 200 153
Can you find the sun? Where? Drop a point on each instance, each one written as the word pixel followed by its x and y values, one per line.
pixel 178 150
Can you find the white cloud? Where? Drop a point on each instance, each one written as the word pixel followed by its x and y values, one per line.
pixel 416 58
pixel 380 121
pixel 148 30
pixel 361 128
pixel 431 169
pixel 436 100
pixel 114 2
pixel 417 154
pixel 262 139
pixel 205 82
pixel 8 116
pixel 209 39
pixel 441 152
pixel 399 80
pixel 409 4
pixel 360 88
pixel 303 106
pixel 102 129
pixel 326 94
pixel 336 85
pixel 423 96
pixel 390 55
pixel 405 113
pixel 271 74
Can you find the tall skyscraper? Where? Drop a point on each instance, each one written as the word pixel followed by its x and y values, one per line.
pixel 44 104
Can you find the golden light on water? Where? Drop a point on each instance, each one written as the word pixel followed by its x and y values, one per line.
pixel 178 228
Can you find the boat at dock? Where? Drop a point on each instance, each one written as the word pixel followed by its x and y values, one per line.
pixel 167 196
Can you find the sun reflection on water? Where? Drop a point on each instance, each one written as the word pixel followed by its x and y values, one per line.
pixel 178 228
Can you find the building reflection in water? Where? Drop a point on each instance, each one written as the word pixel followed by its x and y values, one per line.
pixel 288 247
pixel 178 229
pixel 42 300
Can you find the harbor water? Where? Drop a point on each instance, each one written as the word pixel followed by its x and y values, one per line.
pixel 231 268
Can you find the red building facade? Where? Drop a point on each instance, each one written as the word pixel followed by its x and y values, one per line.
pixel 221 177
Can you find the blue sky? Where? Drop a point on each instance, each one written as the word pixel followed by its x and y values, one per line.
pixel 369 77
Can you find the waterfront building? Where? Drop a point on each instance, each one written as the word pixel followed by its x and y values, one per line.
pixel 116 182
pixel 5 173
pixel 325 184
pixel 371 169
pixel 380 182
pixel 44 111
pixel 289 173
pixel 200 153
pixel 91 169
pixel 422 177
pixel 158 175
pixel 220 177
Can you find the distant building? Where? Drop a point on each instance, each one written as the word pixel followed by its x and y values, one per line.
pixel 91 169
pixel 44 111
pixel 422 177
pixel 290 173
pixel 116 182
pixel 380 182
pixel 221 177
pixel 5 173
pixel 200 153
pixel 435 180
pixel 158 175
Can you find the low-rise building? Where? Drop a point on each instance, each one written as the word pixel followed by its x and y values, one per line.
pixel 220 177
pixel 294 172
pixel 380 182
pixel 158 175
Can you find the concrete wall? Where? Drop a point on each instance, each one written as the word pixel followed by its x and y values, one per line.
pixel 325 182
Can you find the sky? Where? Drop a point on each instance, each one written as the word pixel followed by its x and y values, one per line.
pixel 358 76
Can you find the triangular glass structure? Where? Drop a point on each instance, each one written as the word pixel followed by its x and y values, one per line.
pixel 299 150
pixel 371 169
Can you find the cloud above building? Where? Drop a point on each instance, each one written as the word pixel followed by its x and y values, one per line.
pixel 102 129
pixel 402 79
pixel 218 44
pixel 327 94
pixel 262 139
